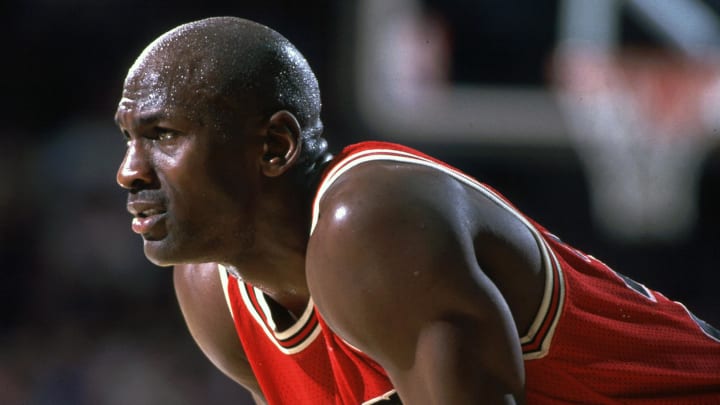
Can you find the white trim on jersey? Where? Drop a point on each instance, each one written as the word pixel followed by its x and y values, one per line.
pixel 270 328
pixel 224 281
pixel 273 335
pixel 545 307
pixel 384 397
pixel 289 332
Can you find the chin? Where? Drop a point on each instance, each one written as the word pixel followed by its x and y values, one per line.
pixel 160 254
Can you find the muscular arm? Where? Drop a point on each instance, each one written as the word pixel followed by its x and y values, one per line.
pixel 394 272
pixel 202 301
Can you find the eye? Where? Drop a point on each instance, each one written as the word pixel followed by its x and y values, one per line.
pixel 164 134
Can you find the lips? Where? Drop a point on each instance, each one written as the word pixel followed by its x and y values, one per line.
pixel 147 214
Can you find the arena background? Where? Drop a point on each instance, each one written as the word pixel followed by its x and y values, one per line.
pixel 84 319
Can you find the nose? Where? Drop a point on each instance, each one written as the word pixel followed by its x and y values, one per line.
pixel 136 170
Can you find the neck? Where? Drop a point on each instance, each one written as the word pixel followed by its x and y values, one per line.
pixel 309 174
pixel 277 263
pixel 290 294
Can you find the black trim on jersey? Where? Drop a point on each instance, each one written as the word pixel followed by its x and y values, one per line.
pixel 306 329
pixel 635 286
pixel 709 330
pixel 393 399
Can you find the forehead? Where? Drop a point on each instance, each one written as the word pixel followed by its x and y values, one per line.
pixel 176 75
pixel 156 90
pixel 154 83
pixel 131 113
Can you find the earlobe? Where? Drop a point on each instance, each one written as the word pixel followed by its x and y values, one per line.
pixel 282 144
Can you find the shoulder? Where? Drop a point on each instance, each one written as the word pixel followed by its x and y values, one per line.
pixel 392 268
pixel 381 205
pixel 389 230
pixel 384 200
pixel 376 188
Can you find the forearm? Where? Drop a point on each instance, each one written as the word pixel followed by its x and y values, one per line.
pixel 455 366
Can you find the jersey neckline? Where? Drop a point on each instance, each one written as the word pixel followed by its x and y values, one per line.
pixel 290 340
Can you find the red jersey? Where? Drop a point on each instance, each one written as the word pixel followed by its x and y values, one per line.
pixel 305 363
pixel 598 337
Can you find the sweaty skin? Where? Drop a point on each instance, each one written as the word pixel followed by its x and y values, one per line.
pixel 397 249
pixel 217 177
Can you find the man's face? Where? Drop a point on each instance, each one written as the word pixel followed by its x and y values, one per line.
pixel 192 181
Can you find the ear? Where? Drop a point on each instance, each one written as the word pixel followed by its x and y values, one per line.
pixel 282 144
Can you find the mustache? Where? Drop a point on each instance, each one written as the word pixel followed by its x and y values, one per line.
pixel 156 196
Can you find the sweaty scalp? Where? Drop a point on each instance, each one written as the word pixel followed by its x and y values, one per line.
pixel 229 66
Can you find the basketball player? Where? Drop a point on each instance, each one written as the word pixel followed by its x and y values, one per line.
pixel 380 275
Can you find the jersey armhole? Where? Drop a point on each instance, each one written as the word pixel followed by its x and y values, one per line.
pixel 224 280
pixel 536 342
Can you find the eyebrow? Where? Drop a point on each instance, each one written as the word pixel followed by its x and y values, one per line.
pixel 145 118
pixel 151 117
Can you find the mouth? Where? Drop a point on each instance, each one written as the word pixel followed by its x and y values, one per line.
pixel 146 216
pixel 149 213
pixel 144 223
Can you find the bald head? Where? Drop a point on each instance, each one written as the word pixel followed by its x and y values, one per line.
pixel 223 68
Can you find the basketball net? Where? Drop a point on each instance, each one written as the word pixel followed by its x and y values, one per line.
pixel 638 123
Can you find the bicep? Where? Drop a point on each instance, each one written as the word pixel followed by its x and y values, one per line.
pixel 202 301
pixel 400 281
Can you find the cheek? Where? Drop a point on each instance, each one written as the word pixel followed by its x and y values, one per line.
pixel 205 199
pixel 204 182
pixel 233 177
pixel 183 185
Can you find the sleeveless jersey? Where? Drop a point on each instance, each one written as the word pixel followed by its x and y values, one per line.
pixel 598 337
